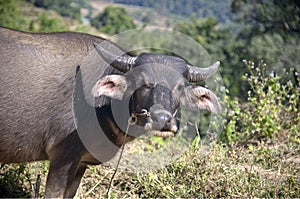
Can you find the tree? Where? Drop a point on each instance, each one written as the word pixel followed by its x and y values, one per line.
pixel 66 8
pixel 222 45
pixel 47 24
pixel 113 20
pixel 270 15
pixel 271 32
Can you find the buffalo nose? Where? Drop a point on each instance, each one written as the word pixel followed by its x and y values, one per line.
pixel 163 119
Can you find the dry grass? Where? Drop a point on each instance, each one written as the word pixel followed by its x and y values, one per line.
pixel 265 170
pixel 269 169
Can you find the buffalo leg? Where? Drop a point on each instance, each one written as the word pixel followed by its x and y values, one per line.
pixel 60 177
pixel 65 167
pixel 71 191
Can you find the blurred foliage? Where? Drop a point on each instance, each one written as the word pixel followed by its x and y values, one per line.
pixel 10 15
pixel 66 8
pixel 257 39
pixel 197 8
pixel 269 16
pixel 47 24
pixel 271 32
pixel 113 20
pixel 220 42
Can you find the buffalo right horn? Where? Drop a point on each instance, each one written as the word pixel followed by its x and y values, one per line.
pixel 197 74
pixel 121 63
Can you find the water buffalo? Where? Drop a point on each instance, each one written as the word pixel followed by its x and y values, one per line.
pixel 39 74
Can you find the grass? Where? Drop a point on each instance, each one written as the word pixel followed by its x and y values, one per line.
pixel 269 168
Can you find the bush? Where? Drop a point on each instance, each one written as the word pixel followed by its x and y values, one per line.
pixel 272 107
pixel 47 24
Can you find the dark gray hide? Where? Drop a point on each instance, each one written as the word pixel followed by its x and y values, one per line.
pixel 38 81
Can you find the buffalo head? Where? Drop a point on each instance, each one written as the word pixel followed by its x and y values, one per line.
pixel 157 87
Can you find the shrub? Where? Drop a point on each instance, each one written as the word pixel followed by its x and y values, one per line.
pixel 271 107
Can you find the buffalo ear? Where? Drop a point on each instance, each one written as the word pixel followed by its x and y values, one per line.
pixel 199 98
pixel 113 86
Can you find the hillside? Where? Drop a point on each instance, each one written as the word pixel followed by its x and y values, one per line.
pixel 180 9
pixel 141 17
pixel 31 18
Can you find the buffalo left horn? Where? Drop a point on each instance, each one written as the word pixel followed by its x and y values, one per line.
pixel 121 63
pixel 197 74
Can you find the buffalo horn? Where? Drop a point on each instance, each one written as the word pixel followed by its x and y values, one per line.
pixel 197 74
pixel 121 63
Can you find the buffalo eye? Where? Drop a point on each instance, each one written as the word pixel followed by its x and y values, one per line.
pixel 178 89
